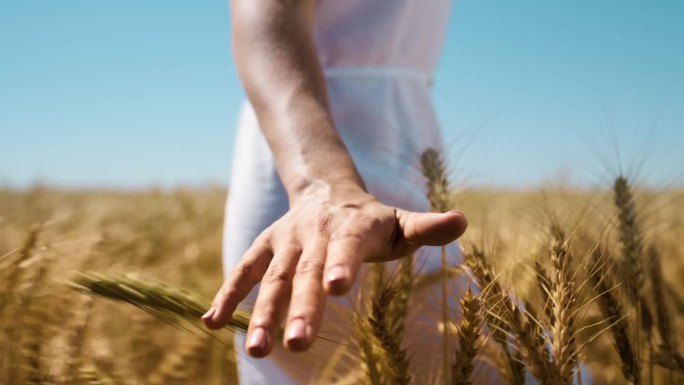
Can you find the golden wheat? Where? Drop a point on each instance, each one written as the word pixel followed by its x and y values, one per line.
pixel 51 336
pixel 468 335
pixel 613 312
pixel 159 299
pixel 563 298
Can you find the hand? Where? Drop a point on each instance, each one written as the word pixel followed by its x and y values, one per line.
pixel 316 249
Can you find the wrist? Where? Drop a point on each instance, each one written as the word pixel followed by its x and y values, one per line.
pixel 327 188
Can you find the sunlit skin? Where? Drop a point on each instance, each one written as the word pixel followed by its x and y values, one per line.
pixel 333 224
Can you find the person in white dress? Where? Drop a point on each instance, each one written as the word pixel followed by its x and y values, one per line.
pixel 326 172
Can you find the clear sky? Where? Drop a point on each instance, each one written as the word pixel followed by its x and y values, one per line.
pixel 138 93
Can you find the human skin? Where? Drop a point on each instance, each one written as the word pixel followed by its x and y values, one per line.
pixel 333 224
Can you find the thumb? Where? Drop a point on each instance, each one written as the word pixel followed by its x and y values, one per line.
pixel 431 229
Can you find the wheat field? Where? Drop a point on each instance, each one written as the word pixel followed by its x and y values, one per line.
pixel 565 285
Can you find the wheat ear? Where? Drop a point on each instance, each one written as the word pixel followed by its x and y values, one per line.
pixel 544 287
pixel 495 298
pixel 630 237
pixel 613 311
pixel 161 300
pixel 563 298
pixel 373 360
pixel 631 241
pixel 398 307
pixel 468 336
pixel 396 369
pixel 668 337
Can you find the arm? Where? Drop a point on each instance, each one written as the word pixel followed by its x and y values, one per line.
pixel 333 224
pixel 279 68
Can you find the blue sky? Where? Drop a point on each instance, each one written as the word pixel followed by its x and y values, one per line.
pixel 140 93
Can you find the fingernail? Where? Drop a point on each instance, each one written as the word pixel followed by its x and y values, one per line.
pixel 454 212
pixel 298 335
pixel 336 274
pixel 258 341
pixel 297 330
pixel 209 314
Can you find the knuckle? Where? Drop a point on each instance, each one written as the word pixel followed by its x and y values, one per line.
pixel 276 275
pixel 307 314
pixel 346 234
pixel 245 270
pixel 310 266
pixel 222 295
pixel 349 233
pixel 218 300
pixel 264 239
pixel 289 249
pixel 264 315
pixel 227 294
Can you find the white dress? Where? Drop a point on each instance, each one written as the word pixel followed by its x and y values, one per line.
pixel 378 58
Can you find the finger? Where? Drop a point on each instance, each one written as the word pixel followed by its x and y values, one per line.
pixel 345 254
pixel 308 298
pixel 431 229
pixel 272 301
pixel 244 277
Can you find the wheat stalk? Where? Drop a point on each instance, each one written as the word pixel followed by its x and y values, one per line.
pixel 434 171
pixel 427 279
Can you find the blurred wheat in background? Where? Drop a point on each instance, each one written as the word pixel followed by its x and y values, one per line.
pixel 557 285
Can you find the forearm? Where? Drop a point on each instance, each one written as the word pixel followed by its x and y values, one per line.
pixel 278 65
